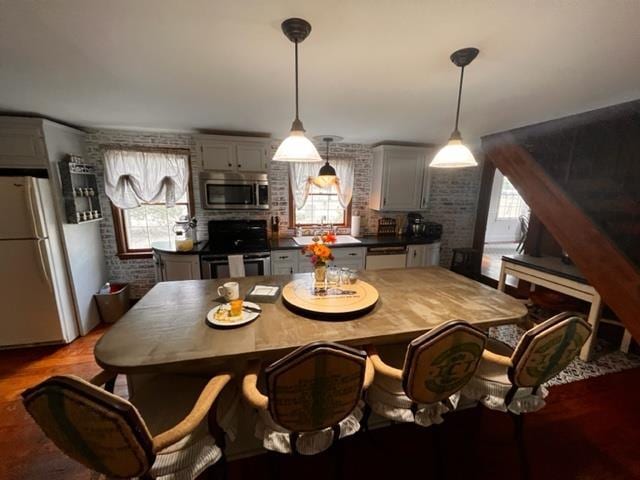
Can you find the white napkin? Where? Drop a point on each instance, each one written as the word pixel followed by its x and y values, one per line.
pixel 236 266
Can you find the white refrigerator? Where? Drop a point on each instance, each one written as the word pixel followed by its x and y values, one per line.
pixel 35 292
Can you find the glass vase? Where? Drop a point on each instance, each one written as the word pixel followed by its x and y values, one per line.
pixel 320 273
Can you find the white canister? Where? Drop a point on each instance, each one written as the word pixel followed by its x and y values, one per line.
pixel 355 225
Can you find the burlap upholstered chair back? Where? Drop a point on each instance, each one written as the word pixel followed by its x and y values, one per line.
pixel 547 349
pixel 100 430
pixel 316 386
pixel 442 361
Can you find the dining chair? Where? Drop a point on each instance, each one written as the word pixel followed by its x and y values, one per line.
pixel 313 397
pixel 511 379
pixel 436 366
pixel 162 433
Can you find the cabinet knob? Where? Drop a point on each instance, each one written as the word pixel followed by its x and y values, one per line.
pixel 415 253
pixel 353 254
pixel 291 270
pixel 239 166
pixel 283 257
pixel 229 164
pixel 384 201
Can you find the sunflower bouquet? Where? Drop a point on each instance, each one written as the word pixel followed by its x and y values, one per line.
pixel 319 253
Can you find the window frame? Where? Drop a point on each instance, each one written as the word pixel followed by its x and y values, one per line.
pixel 119 226
pixel 292 214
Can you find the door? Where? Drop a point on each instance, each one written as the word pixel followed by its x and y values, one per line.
pixel 26 293
pixel 251 157
pixel 180 267
pixel 415 255
pixel 403 173
pixel 218 156
pixel 19 209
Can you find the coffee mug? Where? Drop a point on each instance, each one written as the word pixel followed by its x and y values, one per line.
pixel 230 291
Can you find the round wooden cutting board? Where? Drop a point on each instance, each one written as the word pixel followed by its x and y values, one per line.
pixel 335 303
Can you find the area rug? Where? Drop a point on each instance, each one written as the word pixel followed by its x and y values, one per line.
pixel 606 359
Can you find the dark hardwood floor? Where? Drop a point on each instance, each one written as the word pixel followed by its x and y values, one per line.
pixel 588 430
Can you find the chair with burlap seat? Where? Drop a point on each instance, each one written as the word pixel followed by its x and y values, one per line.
pixel 313 397
pixel 162 433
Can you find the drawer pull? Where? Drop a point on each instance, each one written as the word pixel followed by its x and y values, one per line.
pixel 353 254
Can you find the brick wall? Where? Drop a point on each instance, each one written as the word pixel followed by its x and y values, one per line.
pixel 453 198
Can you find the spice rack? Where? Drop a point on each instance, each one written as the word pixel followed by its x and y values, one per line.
pixel 386 226
pixel 80 190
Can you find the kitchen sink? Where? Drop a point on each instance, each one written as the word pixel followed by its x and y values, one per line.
pixel 340 240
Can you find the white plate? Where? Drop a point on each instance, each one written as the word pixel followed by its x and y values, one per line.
pixel 246 316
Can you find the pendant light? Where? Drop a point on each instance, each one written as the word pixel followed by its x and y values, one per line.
pixel 296 147
pixel 327 175
pixel 455 154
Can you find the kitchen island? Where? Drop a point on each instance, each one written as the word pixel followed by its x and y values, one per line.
pixel 166 330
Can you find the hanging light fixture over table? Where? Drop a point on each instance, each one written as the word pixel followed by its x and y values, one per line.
pixel 327 175
pixel 296 147
pixel 455 154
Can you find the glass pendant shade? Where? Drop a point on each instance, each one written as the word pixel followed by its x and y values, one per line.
pixel 454 155
pixel 297 148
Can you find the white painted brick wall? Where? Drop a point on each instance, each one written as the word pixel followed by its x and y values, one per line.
pixel 453 198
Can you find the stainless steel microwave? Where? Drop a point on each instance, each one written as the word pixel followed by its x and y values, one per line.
pixel 234 191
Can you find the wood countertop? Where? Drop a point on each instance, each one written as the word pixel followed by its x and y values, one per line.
pixel 166 329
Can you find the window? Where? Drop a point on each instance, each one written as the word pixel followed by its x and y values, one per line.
pixel 510 204
pixel 137 227
pixel 320 205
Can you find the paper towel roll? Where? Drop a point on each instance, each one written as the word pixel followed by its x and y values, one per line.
pixel 355 225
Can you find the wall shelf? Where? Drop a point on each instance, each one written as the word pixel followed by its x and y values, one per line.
pixel 80 190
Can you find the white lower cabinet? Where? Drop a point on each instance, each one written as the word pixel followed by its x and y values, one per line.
pixel 176 266
pixel 287 262
pixel 423 255
pixel 352 258
pixel 284 262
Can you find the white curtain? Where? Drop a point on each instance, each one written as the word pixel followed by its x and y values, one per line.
pixel 134 177
pixel 301 177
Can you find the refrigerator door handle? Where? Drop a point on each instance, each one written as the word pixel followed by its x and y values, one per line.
pixel 43 264
pixel 32 201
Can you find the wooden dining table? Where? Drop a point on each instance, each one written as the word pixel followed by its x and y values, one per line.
pixel 166 330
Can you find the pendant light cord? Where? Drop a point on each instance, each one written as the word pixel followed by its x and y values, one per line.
pixel 327 159
pixel 296 43
pixel 459 99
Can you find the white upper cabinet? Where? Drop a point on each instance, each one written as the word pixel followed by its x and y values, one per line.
pixel 22 143
pixel 400 178
pixel 234 154
pixel 218 156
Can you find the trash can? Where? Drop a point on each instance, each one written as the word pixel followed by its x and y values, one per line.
pixel 113 304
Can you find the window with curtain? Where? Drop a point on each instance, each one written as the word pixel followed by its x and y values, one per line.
pixel 149 190
pixel 311 204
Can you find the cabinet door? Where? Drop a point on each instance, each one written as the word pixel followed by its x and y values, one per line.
pixel 402 176
pixel 305 266
pixel 218 156
pixel 180 267
pixel 431 254
pixel 22 148
pixel 349 258
pixel 284 262
pixel 251 157
pixel 426 181
pixel 415 255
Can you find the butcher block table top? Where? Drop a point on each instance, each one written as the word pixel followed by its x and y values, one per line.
pixel 166 330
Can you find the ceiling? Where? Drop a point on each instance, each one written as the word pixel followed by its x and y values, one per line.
pixel 370 70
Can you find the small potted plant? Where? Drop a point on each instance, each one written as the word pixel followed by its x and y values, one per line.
pixel 320 253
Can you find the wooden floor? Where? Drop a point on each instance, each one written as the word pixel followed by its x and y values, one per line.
pixel 589 430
